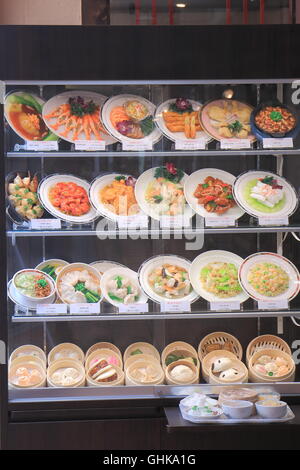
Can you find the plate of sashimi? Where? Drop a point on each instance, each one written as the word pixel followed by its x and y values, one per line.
pixel 76 115
pixel 265 194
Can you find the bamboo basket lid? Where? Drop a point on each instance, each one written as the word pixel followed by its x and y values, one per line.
pixel 113 383
pixel 181 348
pixel 241 377
pixel 102 345
pixel 145 348
pixel 171 380
pixel 211 357
pixel 155 369
pixel 266 342
pixel 66 351
pixel 221 339
pixel 256 377
pixel 66 364
pixel 28 350
pixel 132 359
pixel 238 393
pixel 104 354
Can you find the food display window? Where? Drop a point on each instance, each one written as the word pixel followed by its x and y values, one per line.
pixel 152 233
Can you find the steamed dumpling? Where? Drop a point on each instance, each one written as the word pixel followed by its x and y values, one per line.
pixel 182 373
pixel 221 364
pixel 229 374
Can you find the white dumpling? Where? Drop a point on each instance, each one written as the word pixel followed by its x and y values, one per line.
pixel 92 285
pixel 264 359
pixel 75 298
pixel 71 278
pixel 221 364
pixel 83 276
pixel 229 374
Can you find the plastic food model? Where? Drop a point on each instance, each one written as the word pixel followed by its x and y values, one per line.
pixel 268 279
pixel 69 198
pixel 243 393
pixel 33 284
pixel 200 406
pixel 26 377
pixel 77 117
pixel 170 281
pixel 22 193
pixel 271 366
pixel 275 120
pixel 145 373
pixel 132 119
pixel 164 193
pixel 24 113
pixel 229 118
pixel 65 376
pixel 221 279
pixel 222 367
pixel 79 285
pixel 181 117
pixel 102 371
pixel 215 195
pixel 122 289
pixel 118 196
pixel 265 194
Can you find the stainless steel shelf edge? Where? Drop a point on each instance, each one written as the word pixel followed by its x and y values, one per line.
pixel 154 316
pixel 154 153
pixel 151 82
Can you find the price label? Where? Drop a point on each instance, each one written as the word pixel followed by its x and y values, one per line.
pixel 132 222
pixel 271 143
pixel 177 221
pixel 219 221
pixel 51 309
pixel 273 221
pixel 134 308
pixel 273 304
pixel 90 145
pixel 42 146
pixel 85 309
pixel 45 224
pixel 226 305
pixel 235 144
pixel 137 146
pixel 198 144
pixel 175 307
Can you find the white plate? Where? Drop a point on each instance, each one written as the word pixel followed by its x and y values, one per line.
pixel 198 177
pixel 291 199
pixel 26 303
pixel 178 136
pixel 119 100
pixel 63 98
pixel 102 266
pixel 266 257
pixel 210 257
pixel 141 186
pixel 43 193
pixel 59 262
pixel 97 185
pixel 108 275
pixel 6 105
pixel 156 261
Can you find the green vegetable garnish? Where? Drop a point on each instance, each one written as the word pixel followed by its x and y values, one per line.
pixel 157 199
pixel 276 116
pixel 137 351
pixel 205 185
pixel 129 290
pixel 91 297
pixel 162 172
pixel 42 282
pixel 114 297
pixel 119 178
pixel 119 281
pixel 235 127
pixel 147 125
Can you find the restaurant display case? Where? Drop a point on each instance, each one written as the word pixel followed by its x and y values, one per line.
pixel 144 211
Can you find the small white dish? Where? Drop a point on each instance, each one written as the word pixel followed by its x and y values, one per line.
pixel 271 411
pixel 28 301
pixel 237 409
pixel 128 273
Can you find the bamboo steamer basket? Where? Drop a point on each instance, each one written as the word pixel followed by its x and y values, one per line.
pixel 30 362
pixel 220 338
pixel 28 350
pixel 179 347
pixel 132 359
pixel 146 348
pixel 236 392
pixel 210 358
pixel 258 378
pixel 141 363
pixel 171 381
pixel 64 363
pixel 266 342
pixel 103 353
pixel 102 345
pixel 118 381
pixel 76 351
pixel 241 378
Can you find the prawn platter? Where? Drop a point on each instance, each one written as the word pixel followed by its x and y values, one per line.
pixel 76 115
pixel 66 197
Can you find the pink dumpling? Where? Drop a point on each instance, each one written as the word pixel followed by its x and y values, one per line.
pixel 113 360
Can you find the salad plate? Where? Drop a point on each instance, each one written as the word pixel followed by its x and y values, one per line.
pixel 130 118
pixel 269 276
pixel 166 278
pixel 51 193
pixel 76 115
pixel 178 119
pixel 262 193
pixel 214 276
pixel 209 193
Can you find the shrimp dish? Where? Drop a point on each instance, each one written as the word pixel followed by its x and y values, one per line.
pixel 22 194
pixel 215 195
pixel 70 198
pixel 170 282
pixel 268 279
